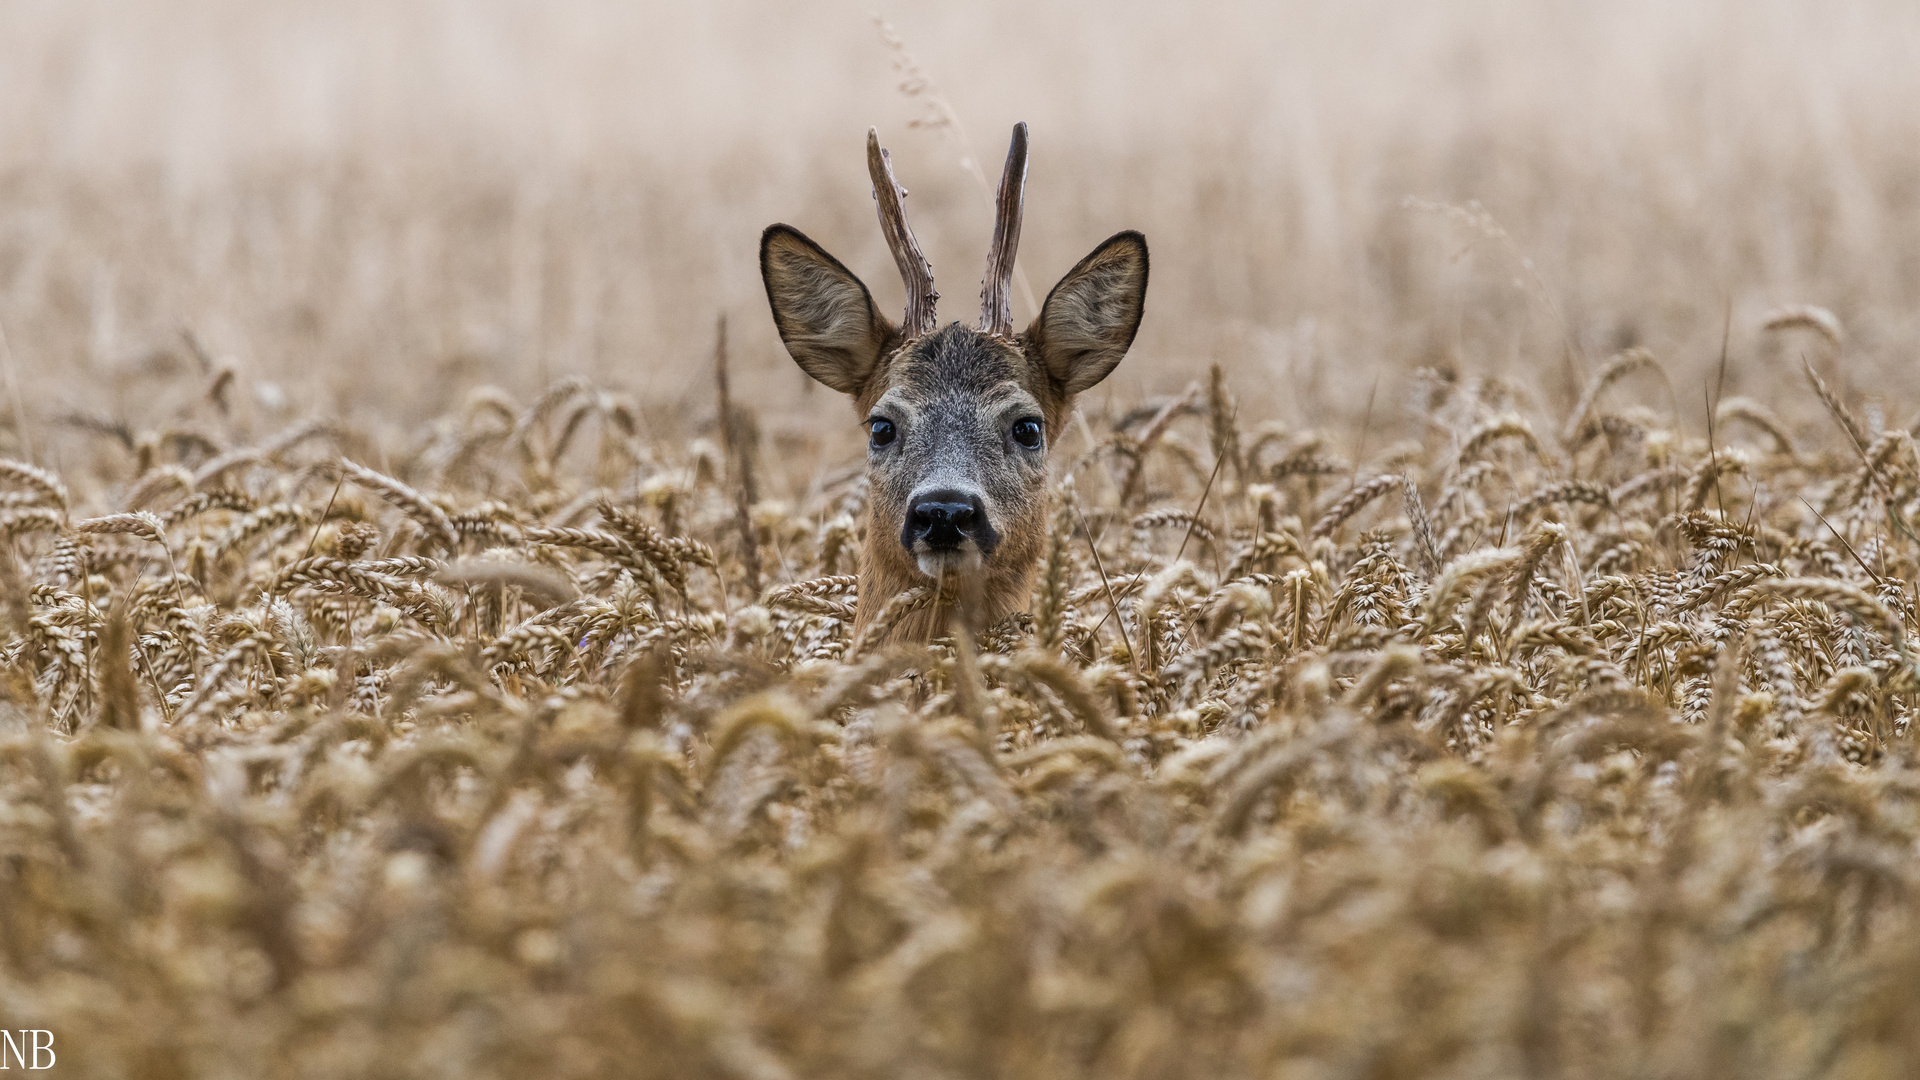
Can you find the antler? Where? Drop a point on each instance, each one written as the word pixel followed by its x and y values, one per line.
pixel 915 270
pixel 996 300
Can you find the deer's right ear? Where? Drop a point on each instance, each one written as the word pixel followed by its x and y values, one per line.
pixel 825 315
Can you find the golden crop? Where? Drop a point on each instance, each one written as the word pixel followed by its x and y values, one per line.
pixel 1505 752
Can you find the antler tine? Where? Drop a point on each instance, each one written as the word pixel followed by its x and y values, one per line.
pixel 996 296
pixel 915 270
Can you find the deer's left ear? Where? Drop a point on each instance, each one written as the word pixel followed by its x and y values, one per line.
pixel 1090 318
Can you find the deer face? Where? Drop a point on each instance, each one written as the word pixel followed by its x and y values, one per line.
pixel 958 420
pixel 957 451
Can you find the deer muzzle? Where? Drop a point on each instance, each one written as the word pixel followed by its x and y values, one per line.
pixel 948 530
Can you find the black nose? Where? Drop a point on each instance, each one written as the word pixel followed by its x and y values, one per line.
pixel 945 518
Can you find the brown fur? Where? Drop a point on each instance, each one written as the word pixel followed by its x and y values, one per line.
pixel 953 395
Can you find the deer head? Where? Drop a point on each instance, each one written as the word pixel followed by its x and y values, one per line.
pixel 959 420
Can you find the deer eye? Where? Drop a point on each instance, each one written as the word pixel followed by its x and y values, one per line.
pixel 879 432
pixel 1027 433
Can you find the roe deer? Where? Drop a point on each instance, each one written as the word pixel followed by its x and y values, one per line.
pixel 959 420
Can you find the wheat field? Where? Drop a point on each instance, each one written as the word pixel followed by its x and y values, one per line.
pixel 1473 638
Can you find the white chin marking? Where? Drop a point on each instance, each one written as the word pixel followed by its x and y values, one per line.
pixel 936 564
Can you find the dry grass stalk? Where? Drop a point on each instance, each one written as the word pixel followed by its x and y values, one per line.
pixel 432 520
pixel 1352 503
pixel 1618 367
pixel 1807 317
pixel 36 479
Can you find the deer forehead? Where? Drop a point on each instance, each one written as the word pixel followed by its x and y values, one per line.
pixel 957 367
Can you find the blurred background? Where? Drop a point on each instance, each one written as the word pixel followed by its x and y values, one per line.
pixel 373 207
